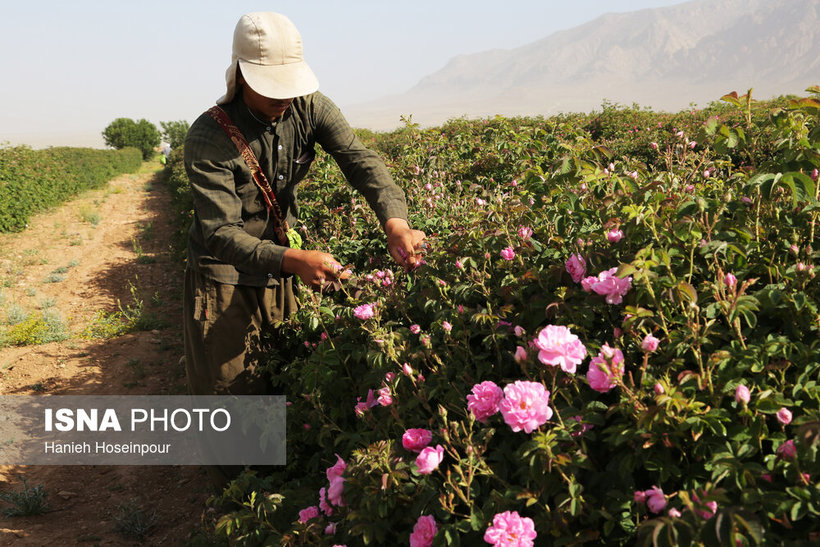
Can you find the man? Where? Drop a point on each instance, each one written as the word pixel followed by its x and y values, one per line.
pixel 239 278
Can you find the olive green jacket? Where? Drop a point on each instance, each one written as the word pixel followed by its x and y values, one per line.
pixel 231 238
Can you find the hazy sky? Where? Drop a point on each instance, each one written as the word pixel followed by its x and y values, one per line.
pixel 71 67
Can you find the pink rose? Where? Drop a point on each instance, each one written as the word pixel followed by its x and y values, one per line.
pixel 576 266
pixel 709 508
pixel 614 236
pixel 742 395
pixel 335 491
pixel 406 369
pixel 415 329
pixel 639 496
pixel 606 369
pixel 609 285
pixel 524 232
pixel 510 529
pixel 784 416
pixel 649 343
pixel 787 450
pixel 559 347
pixel 385 397
pixel 308 513
pixel 525 406
pixel 520 354
pixel 655 499
pixel 365 311
pixel 326 508
pixel 423 532
pixel 416 439
pixel 429 459
pixel 730 280
pixel 674 513
pixel 484 400
pixel 337 469
pixel 508 253
pixel 447 326
pixel 659 390
pixel 330 529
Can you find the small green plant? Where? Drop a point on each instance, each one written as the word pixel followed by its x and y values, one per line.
pixel 27 502
pixel 38 387
pixel 133 522
pixel 47 302
pixel 15 314
pixel 90 215
pixel 31 292
pixel 54 277
pixel 136 367
pixel 132 317
pixel 48 327
pixel 142 258
pixel 146 231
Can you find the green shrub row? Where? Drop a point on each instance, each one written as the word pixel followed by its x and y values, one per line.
pixel 706 427
pixel 34 180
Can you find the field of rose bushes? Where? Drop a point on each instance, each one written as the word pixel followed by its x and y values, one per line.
pixel 613 339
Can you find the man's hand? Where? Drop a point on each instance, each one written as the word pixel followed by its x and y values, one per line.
pixel 404 242
pixel 315 268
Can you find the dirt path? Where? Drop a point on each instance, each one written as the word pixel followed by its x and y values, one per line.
pixel 74 264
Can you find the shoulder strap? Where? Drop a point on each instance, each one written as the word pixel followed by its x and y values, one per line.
pixel 280 224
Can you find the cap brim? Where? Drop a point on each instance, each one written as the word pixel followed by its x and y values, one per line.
pixel 280 81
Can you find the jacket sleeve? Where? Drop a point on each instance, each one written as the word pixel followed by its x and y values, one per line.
pixel 362 167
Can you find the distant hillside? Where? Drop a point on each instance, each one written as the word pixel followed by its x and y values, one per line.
pixel 665 58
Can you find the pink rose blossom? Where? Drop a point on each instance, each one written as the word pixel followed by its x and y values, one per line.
pixel 784 416
pixel 365 311
pixel 330 530
pixel 524 232
pixel 659 389
pixel 337 469
pixel 609 285
pixel 406 369
pixel 335 491
pixel 326 508
pixel 766 477
pixel 429 459
pixel 525 406
pixel 519 330
pixel 654 145
pixel 385 397
pixel 559 347
pixel 308 513
pixel 649 343
pixel 576 266
pixel 447 326
pixel 416 439
pixel 459 264
pixel 787 450
pixel 520 354
pixel 674 513
pixel 639 496
pixel 709 510
pixel 655 499
pixel 510 529
pixel 730 280
pixel 614 236
pixel 423 532
pixel 484 400
pixel 415 329
pixel 508 253
pixel 606 369
pixel 742 395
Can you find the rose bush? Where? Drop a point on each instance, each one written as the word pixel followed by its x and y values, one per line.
pixel 668 427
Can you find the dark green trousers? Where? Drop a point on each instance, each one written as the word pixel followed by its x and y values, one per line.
pixel 223 327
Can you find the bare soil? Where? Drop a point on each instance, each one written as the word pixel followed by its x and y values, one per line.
pixel 90 255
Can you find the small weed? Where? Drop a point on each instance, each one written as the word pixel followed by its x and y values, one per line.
pixel 142 258
pixel 136 367
pixel 133 317
pixel 2 297
pixel 29 501
pixel 146 231
pixel 31 292
pixel 55 278
pixel 156 300
pixel 39 387
pixel 76 242
pixel 74 262
pixel 48 327
pixel 8 282
pixel 15 314
pixel 60 270
pixel 90 215
pixel 47 302
pixel 133 522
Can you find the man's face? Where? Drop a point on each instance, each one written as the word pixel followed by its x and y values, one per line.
pixel 264 107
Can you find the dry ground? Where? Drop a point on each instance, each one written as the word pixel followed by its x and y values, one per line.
pixel 75 261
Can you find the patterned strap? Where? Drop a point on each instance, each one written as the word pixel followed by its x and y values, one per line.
pixel 280 224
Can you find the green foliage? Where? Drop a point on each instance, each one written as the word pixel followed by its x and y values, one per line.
pixel 133 317
pixel 134 522
pixel 140 134
pixel 695 201
pixel 34 180
pixel 27 502
pixel 48 326
pixel 174 132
